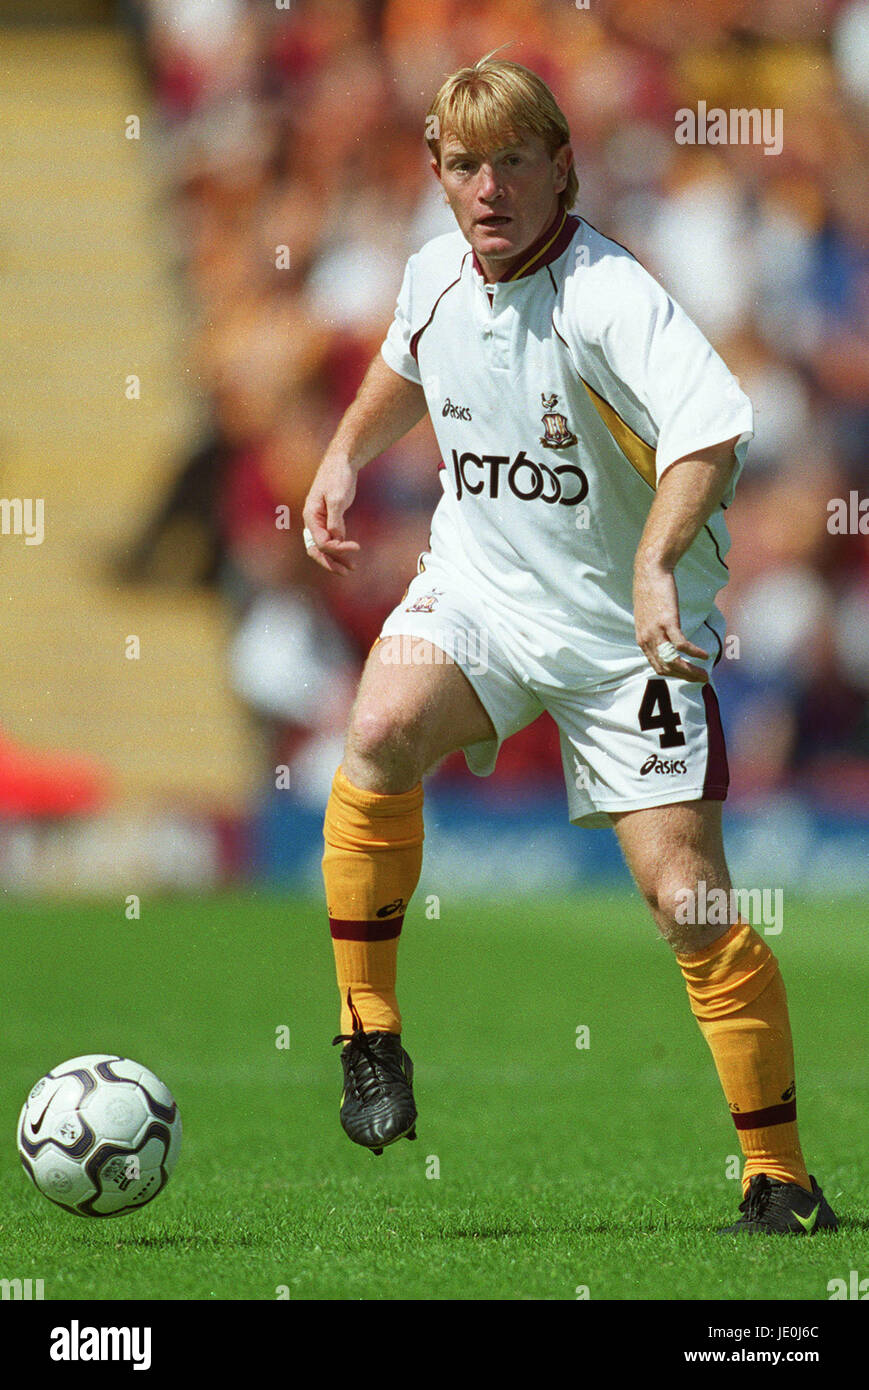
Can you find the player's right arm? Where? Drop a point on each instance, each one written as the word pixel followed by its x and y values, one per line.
pixel 387 405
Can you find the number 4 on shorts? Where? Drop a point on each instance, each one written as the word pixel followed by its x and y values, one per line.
pixel 657 712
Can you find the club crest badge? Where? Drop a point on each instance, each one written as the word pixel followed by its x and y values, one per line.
pixel 426 603
pixel 557 435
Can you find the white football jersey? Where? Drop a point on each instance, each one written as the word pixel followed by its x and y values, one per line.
pixel 559 397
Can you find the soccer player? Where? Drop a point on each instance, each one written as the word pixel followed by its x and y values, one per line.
pixel 591 439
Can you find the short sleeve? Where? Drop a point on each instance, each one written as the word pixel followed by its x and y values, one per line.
pixel 665 363
pixel 395 349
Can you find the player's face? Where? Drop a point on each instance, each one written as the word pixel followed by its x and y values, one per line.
pixel 502 199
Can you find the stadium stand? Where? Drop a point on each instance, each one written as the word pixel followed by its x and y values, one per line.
pixel 88 301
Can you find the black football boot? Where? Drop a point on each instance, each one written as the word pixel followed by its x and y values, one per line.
pixel 782 1208
pixel 377 1106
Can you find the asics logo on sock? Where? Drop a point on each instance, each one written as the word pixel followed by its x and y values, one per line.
pixel 390 908
pixel 790 1092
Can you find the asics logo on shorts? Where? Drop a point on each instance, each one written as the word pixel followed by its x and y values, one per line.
pixel 655 764
pixel 527 480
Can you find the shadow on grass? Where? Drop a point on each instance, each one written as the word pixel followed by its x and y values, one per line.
pixel 629 1228
pixel 199 1241
pixel 633 1225
pixel 848 1223
pixel 506 1231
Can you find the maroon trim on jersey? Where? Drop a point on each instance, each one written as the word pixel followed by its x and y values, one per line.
pixel 762 1119
pixel 718 640
pixel 717 772
pixel 365 931
pixel 537 255
pixel 414 342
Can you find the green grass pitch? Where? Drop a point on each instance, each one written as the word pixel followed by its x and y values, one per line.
pixel 561 1168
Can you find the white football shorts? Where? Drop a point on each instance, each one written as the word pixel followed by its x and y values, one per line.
pixel 629 737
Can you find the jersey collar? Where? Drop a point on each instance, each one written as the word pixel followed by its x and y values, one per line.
pixel 548 247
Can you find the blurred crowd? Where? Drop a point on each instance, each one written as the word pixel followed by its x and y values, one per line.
pixel 301 184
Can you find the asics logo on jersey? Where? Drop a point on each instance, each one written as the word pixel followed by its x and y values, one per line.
pixel 526 479
pixel 655 764
pixel 457 412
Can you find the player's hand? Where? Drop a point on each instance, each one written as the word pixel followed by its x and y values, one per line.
pixel 332 492
pixel 656 616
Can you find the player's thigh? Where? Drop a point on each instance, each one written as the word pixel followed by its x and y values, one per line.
pixel 670 850
pixel 414 706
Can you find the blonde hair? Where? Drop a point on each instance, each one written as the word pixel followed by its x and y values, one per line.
pixel 482 104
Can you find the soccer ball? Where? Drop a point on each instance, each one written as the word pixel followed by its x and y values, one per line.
pixel 99 1135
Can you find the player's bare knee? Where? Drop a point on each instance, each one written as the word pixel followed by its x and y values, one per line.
pixel 686 938
pixel 381 749
pixel 672 894
pixel 669 896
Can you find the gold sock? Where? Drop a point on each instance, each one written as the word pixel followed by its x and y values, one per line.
pixel 739 1001
pixel 370 868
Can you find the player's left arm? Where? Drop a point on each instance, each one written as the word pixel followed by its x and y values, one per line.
pixel 688 493
pixel 640 351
